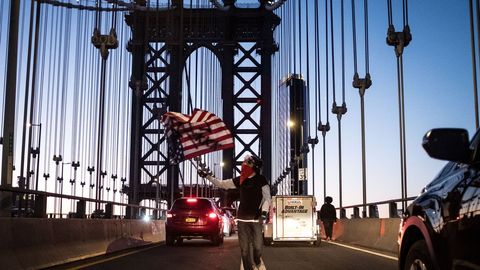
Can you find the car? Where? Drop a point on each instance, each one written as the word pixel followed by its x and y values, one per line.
pixel 229 227
pixel 191 218
pixel 440 229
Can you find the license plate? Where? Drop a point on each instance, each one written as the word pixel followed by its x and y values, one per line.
pixel 190 219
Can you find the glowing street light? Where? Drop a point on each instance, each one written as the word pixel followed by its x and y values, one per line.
pixel 291 123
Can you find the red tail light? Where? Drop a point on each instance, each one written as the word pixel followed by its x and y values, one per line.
pixel 191 200
pixel 212 215
pixel 169 215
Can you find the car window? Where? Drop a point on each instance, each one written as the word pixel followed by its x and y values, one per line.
pixel 192 204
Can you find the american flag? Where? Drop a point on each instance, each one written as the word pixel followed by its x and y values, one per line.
pixel 191 136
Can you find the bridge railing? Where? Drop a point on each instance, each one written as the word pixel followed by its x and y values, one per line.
pixel 372 209
pixel 32 203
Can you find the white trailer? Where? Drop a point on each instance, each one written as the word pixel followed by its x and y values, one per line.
pixel 292 218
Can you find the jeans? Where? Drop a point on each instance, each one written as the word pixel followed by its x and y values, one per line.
pixel 250 237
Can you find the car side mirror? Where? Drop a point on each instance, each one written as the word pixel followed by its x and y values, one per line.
pixel 450 144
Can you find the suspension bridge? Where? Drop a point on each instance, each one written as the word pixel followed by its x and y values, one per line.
pixel 85 85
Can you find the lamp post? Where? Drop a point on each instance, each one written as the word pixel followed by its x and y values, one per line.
pixel 154 183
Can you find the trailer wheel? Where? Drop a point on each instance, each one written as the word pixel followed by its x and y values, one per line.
pixel 267 241
pixel 318 242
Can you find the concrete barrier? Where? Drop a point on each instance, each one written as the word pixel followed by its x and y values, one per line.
pixel 38 243
pixel 375 233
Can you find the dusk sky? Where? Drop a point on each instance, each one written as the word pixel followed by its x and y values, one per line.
pixel 438 93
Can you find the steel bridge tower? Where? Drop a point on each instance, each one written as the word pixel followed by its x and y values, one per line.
pixel 161 42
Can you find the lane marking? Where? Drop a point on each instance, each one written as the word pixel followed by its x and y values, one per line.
pixel 364 250
pixel 111 258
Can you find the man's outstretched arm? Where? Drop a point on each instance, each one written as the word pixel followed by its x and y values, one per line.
pixel 223 184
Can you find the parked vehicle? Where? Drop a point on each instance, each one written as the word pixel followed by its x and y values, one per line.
pixel 292 218
pixel 441 227
pixel 229 224
pixel 194 218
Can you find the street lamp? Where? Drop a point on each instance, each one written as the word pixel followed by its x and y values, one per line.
pixel 291 123
pixel 154 183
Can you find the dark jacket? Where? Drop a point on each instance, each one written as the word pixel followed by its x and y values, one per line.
pixel 250 196
pixel 328 213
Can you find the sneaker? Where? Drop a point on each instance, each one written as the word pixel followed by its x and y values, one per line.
pixel 261 266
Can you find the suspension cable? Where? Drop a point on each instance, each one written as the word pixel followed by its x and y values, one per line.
pixel 39 114
pixel 324 128
pixel 362 84
pixel 3 86
pixel 82 147
pixel 367 57
pixel 58 158
pixel 338 110
pixel 389 12
pixel 399 40
pixel 293 31
pixel 50 97
pixel 332 54
pixel 318 92
pixel 341 111
pixel 474 59
pixel 312 141
pixel 318 109
pixel 300 35
pixel 23 183
pixel 354 39
pixel 34 94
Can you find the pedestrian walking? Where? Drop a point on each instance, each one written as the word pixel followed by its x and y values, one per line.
pixel 328 215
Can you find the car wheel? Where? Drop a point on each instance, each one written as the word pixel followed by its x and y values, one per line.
pixel 216 240
pixel 179 241
pixel 418 257
pixel 169 240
